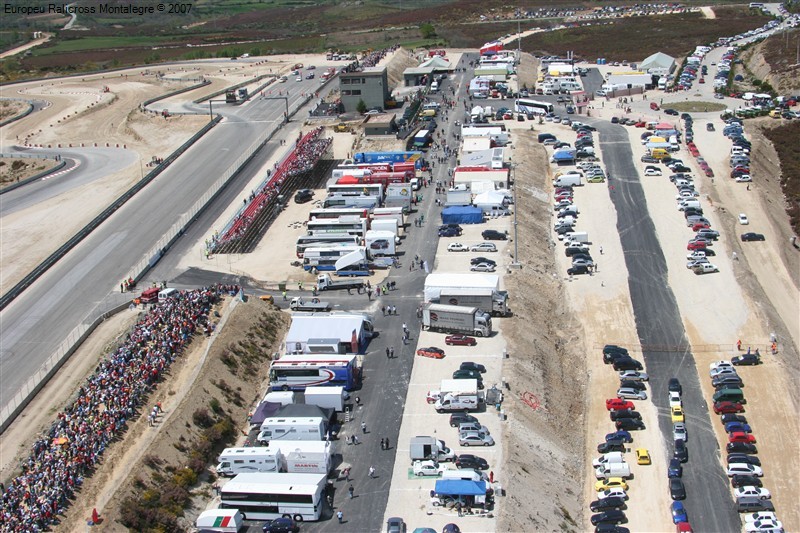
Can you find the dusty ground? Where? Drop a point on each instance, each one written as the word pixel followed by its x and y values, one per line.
pixel 546 370
pixel 11 108
pixel 14 169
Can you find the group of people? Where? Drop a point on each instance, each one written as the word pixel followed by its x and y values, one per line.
pixel 111 396
pixel 309 148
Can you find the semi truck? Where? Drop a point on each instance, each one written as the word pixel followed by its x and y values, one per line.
pixel 392 157
pixel 456 319
pixel 347 201
pixel 422 139
pixel 381 243
pixel 428 448
pixel 325 283
pixel 436 282
pixel 496 302
pixel 299 304
pixel 390 212
pixel 458 395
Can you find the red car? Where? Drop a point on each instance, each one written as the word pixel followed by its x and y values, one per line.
pixel 741 436
pixel 721 408
pixel 696 245
pixel 618 404
pixel 701 225
pixel 641 124
pixel 432 352
pixel 460 340
pixel 709 173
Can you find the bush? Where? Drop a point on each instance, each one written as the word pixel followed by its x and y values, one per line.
pixel 215 406
pixel 201 418
pixel 185 477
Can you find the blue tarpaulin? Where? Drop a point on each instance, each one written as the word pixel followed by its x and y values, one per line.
pixel 462 215
pixel 264 411
pixel 460 487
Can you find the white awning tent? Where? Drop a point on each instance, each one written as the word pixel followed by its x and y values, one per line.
pixel 355 257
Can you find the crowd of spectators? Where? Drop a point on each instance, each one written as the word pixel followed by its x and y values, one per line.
pixel 308 150
pixel 370 60
pixel 107 400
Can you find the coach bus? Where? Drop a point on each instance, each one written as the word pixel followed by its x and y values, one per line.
pixel 525 105
pixel 326 239
pixel 336 212
pixel 270 495
pixel 348 225
pixel 298 371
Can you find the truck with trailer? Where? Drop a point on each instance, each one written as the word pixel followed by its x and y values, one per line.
pixel 314 305
pixel 496 302
pixel 326 397
pixel 325 283
pixel 381 243
pixel 458 395
pixel 422 139
pixel 436 282
pixel 456 319
pixel 396 213
pixel 392 157
pixel 399 195
pixel 429 448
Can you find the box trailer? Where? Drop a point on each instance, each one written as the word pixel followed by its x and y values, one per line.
pixel 436 282
pixel 326 397
pixel 381 242
pixel 429 448
pixel 396 213
pixel 456 319
pixel 496 302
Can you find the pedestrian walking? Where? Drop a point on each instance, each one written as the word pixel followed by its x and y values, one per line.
pixel 405 328
pixel 358 400
pixel 383 444
pixel 387 442
pixel 355 440
pixel 739 345
pixel 372 471
pixel 383 310
pixel 284 296
pixel 363 427
pixel 394 310
pixel 391 352
pixel 340 516
pixel 387 352
pixel 351 491
pixel 601 250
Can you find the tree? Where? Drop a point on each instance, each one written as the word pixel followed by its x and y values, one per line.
pixel 361 107
pixel 427 30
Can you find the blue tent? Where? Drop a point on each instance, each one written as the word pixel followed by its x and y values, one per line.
pixel 462 215
pixel 460 487
pixel 263 411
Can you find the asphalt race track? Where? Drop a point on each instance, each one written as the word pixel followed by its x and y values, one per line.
pixel 658 323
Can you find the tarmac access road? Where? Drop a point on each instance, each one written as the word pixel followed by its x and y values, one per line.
pixel 386 381
pixel 43 316
pixel 658 323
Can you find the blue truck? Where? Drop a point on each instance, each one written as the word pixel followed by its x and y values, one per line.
pixel 388 157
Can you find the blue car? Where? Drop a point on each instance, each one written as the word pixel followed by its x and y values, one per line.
pixel 622 435
pixel 730 427
pixel 679 513
pixel 675 469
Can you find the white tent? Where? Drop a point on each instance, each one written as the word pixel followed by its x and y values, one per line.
pixel 491 202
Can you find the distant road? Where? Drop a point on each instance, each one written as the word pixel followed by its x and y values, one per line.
pixel 26 46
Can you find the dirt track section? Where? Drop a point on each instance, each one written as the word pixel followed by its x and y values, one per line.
pixel 545 371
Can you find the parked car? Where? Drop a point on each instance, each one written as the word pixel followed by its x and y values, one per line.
pixel 747 237
pixel 611 483
pixel 475 438
pixel 303 195
pixel 614 445
pixel 733 418
pixel 642 456
pixel 460 340
pixel 612 493
pixel 674 385
pixel 678 511
pixel 618 403
pixel 741 436
pixel 457 247
pixel 483 247
pixel 612 517
pixel 482 267
pixel 475 367
pixel 493 235
pixel 432 352
pixel 728 407
pixel 633 394
pixel 743 219
pixel 465 460
pixel 675 468
pixel 745 469
pixel 680 451
pixel 743 458
pixel 741 447
pixel 622 435
pixel 478 260
pixel 457 419
pixel 280 525
pixel 679 431
pixel 676 489
pixel 726 380
pixel 746 359
pixel 395 524
pixel 629 424
pixel 427 468
pixel 745 480
pixel 607 504
pixel 633 375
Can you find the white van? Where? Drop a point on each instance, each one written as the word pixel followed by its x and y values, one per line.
pixel 167 293
pixel 689 204
pixel 434 86
pixel 465 474
pixel 571 180
pixel 613 470
pixel 608 458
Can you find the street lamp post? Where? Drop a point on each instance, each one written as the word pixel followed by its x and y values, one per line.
pixel 516 263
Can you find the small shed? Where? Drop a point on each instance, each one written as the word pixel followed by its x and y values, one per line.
pixel 382 124
pixel 462 215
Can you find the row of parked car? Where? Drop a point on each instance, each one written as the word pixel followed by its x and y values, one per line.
pixel 743 466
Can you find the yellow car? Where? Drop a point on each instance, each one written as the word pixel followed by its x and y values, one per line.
pixel 642 456
pixel 677 413
pixel 611 483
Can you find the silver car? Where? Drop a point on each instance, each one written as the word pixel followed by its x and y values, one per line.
pixel 627 393
pixel 475 438
pixel 679 431
pixel 483 247
pixel 482 267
